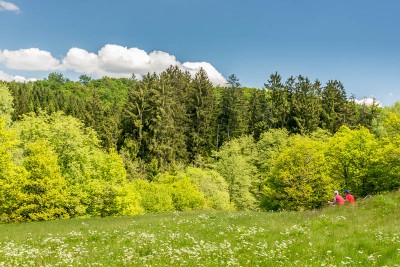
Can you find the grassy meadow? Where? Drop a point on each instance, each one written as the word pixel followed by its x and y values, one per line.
pixel 365 234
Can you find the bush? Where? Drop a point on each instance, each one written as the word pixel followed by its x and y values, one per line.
pixel 299 178
pixel 213 187
pixel 153 197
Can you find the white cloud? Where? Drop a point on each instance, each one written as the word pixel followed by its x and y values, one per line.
pixel 9 78
pixel 160 61
pixel 29 59
pixel 111 60
pixel 368 102
pixel 117 59
pixel 81 60
pixel 214 76
pixel 8 6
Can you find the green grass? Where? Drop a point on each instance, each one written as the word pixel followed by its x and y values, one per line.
pixel 365 234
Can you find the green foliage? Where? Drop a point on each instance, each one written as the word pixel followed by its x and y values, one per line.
pixel 44 188
pixel 213 187
pixel 386 172
pixel 259 113
pixel 128 199
pixel 93 177
pixel 387 124
pixel 101 199
pixel 352 156
pixel 268 149
pixel 153 197
pixel 185 195
pixel 6 104
pixel 279 101
pixel 12 176
pixel 170 120
pixel 367 113
pixel 334 103
pixel 298 179
pixel 104 187
pixel 232 112
pixel 306 105
pixel 235 164
pixel 201 113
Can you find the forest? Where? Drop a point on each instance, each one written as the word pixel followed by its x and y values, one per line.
pixel 114 147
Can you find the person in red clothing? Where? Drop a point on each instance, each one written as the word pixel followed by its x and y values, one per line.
pixel 349 197
pixel 337 200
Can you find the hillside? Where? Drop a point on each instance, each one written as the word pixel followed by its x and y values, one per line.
pixel 365 234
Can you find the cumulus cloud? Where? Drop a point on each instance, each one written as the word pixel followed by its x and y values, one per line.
pixel 161 61
pixel 31 59
pixel 368 102
pixel 111 60
pixel 8 78
pixel 8 6
pixel 214 76
pixel 81 60
pixel 118 61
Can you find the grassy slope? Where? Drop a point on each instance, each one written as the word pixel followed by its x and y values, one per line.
pixel 365 234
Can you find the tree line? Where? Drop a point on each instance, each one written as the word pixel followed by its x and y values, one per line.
pixel 173 118
pixel 174 142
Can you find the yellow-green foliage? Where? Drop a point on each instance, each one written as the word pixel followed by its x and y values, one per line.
pixel 129 200
pixel 169 192
pixel 235 165
pixel 103 188
pixel 185 195
pixel 101 198
pixel 11 176
pixel 299 178
pixel 352 157
pixel 75 145
pixel 6 104
pixel 213 186
pixel 44 187
pixel 153 197
pixel 93 177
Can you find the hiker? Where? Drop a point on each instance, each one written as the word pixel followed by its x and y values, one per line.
pixel 349 197
pixel 337 200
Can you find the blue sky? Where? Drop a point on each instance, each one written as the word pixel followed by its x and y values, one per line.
pixel 354 41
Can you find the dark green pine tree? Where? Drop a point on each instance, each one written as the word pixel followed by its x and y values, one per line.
pixel 334 101
pixel 232 112
pixel 95 113
pixel 306 105
pixel 367 113
pixel 351 112
pixel 22 94
pixel 260 113
pixel 279 101
pixel 168 123
pixel 136 117
pixel 111 132
pixel 201 112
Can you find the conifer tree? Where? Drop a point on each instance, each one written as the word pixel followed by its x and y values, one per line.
pixel 306 105
pixel 260 113
pixel 280 99
pixel 232 117
pixel 334 101
pixel 201 111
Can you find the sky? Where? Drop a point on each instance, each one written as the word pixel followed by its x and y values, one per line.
pixel 354 41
